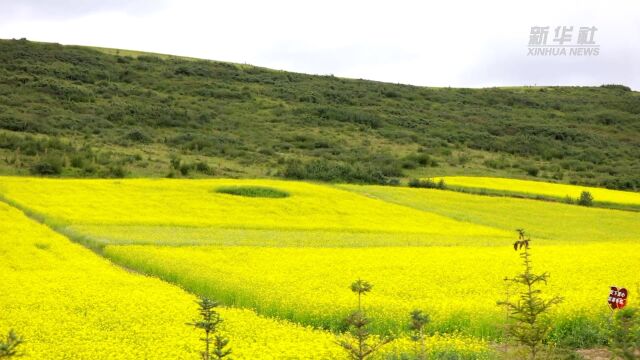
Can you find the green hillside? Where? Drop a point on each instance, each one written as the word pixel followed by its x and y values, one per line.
pixel 88 112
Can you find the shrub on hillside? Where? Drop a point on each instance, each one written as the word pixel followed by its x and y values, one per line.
pixel 138 136
pixel 417 160
pixel 532 171
pixel 616 87
pixel 499 163
pixel 184 169
pixel 13 123
pixel 114 171
pixel 332 171
pixel 203 168
pixel 353 116
pixel 47 166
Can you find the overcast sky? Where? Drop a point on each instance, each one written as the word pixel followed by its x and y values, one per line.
pixel 443 43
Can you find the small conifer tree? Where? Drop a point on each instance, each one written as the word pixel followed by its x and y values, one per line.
pixel 209 321
pixel 9 345
pixel 359 343
pixel 418 321
pixel 527 328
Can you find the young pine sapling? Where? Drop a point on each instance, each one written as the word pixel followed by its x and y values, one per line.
pixel 527 328
pixel 209 321
pixel 359 343
pixel 418 321
pixel 9 345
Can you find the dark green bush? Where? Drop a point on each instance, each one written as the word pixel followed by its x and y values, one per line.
pixel 496 163
pixel 585 199
pixel 64 90
pixel 77 161
pixel 417 160
pixel 331 171
pixel 116 172
pixel 184 169
pixel 149 58
pixel 13 123
pixel 616 87
pixel 427 183
pixel 253 191
pixel 203 167
pixel 532 171
pixel 175 162
pixel 47 166
pixel 346 115
pixel 138 136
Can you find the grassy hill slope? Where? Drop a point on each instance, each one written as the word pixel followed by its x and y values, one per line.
pixel 89 112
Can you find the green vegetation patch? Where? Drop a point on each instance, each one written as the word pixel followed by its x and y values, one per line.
pixel 253 191
pixel 70 111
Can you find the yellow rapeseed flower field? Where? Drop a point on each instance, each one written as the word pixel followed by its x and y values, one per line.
pixel 459 286
pixel 547 222
pixel 293 258
pixel 166 202
pixel 70 304
pixel 542 188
